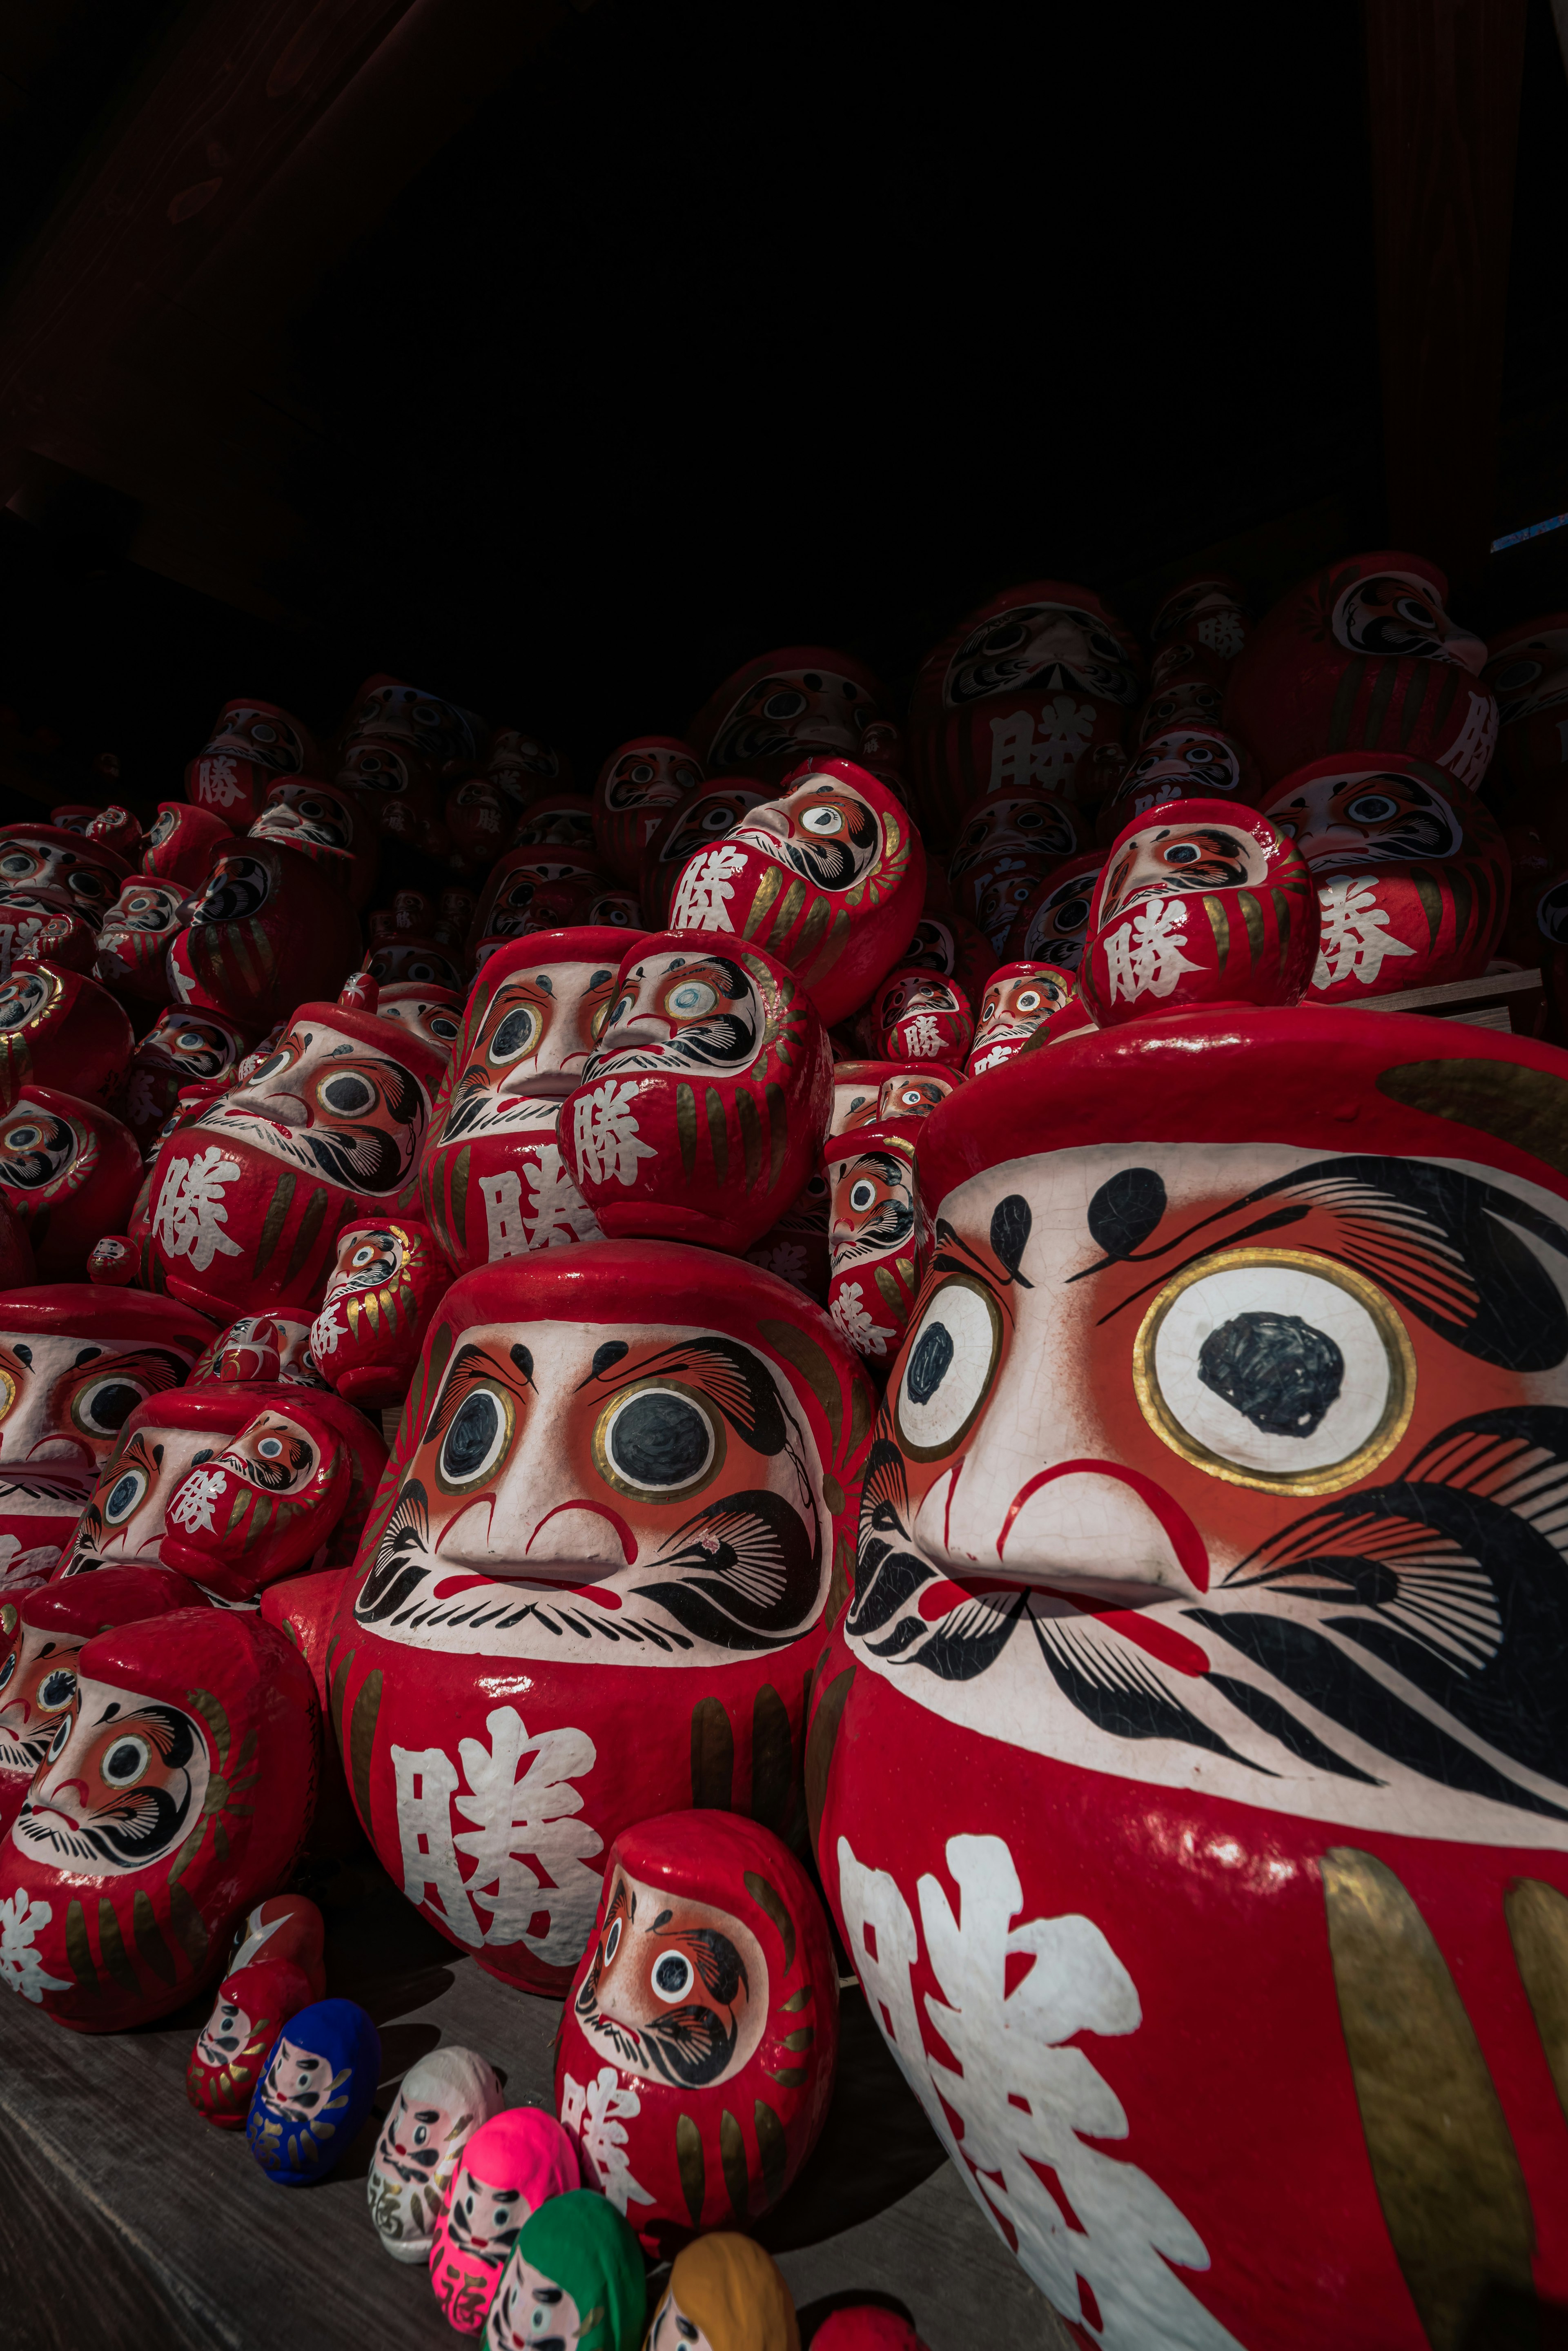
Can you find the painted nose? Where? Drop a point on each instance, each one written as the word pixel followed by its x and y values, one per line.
pixel 1077 1526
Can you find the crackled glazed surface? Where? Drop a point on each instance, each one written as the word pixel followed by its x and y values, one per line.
pixel 1209 1563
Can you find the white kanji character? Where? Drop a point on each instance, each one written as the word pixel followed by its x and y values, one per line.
pixel 502 1198
pixel 557 1212
pixel 786 1259
pixel 1469 754
pixel 849 1312
pixel 191 1506
pixel 1020 755
pixel 510 1817
pixel 923 1038
pixel 217 781
pixel 591 2114
pixel 608 1144
pixel 1223 632
pixel 20 1966
pixel 189 1216
pixel 1144 957
pixel 1354 941
pixel 1025 2102
pixel 703 892
pixel 326 1331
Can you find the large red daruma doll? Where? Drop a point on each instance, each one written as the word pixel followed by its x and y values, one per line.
pixel 1197 1756
pixel 700 1111
pixel 804 701
pixel 829 877
pixel 1362 657
pixel 1411 873
pixel 1205 903
pixel 615 1517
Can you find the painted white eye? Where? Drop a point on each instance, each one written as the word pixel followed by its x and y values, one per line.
pixel 613 1942
pixel 123 1497
pixel 363 1256
pixel 948 1370
pixel 1372 808
pixel 269 1447
pixel 862 1194
pixel 9 1667
pixel 348 1094
pixel 57 1689
pixel 58 1743
pixel 673 1977
pixel 1030 1000
pixel 125 1762
pixel 1275 1368
pixel 823 820
pixel 692 999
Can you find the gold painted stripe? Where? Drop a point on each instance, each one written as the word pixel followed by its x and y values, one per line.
pixel 1252 915
pixel 1219 924
pixel 277 1209
pixel 111 1950
pixel 79 1951
pixel 155 1953
pixel 811 930
pixel 789 914
pixel 767 1897
pixel 1537 1918
pixel 460 1201
pixel 1447 2172
pixel 690 2164
pixel 771 2147
pixel 1377 707
pixel 768 889
pixel 687 1128
pixel 732 2156
pixel 1344 703
pixel 713 1757
pixel 361 1741
pixel 832 948
pixel 309 1226
pixel 772 1759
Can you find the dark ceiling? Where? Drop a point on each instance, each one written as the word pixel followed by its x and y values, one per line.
pixel 718 328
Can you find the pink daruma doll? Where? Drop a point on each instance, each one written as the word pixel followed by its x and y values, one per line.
pixel 510 2167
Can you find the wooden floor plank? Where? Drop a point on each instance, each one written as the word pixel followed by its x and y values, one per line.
pixel 126 2220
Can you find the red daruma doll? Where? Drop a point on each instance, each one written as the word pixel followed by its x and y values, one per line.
pixel 696 2053
pixel 1213 905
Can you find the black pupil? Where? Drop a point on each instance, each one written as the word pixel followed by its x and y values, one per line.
pixel 347 1094
pixel 122 1497
pixel 513 1033
pixel 123 1760
pixel 471 1435
pixel 112 1407
pixel 660 1440
pixel 928 1363
pixel 1281 1372
pixel 670 1975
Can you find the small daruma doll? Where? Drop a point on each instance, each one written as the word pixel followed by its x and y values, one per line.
pixel 389 1280
pixel 1016 999
pixel 492 1181
pixel 232 2049
pixel 876 1235
pixel 602 1555
pixel 511 2165
pixel 575 2278
pixel 124 1522
pixel 725 2292
pixel 307 2108
pixel 177 1789
pixel 273 925
pixel 136 934
pixel 442 2100
pixel 920 1016
pixel 251 744
pixel 62 1029
pixel 1182 763
pixel 248 1201
pixel 1410 870
pixel 288 1492
pixel 186 1046
pixel 1213 905
pixel 699 820
pixel 696 2053
pixel 829 877
pixel 1362 657
pixel 701 1110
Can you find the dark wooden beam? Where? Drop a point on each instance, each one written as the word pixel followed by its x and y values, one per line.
pixel 1443 85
